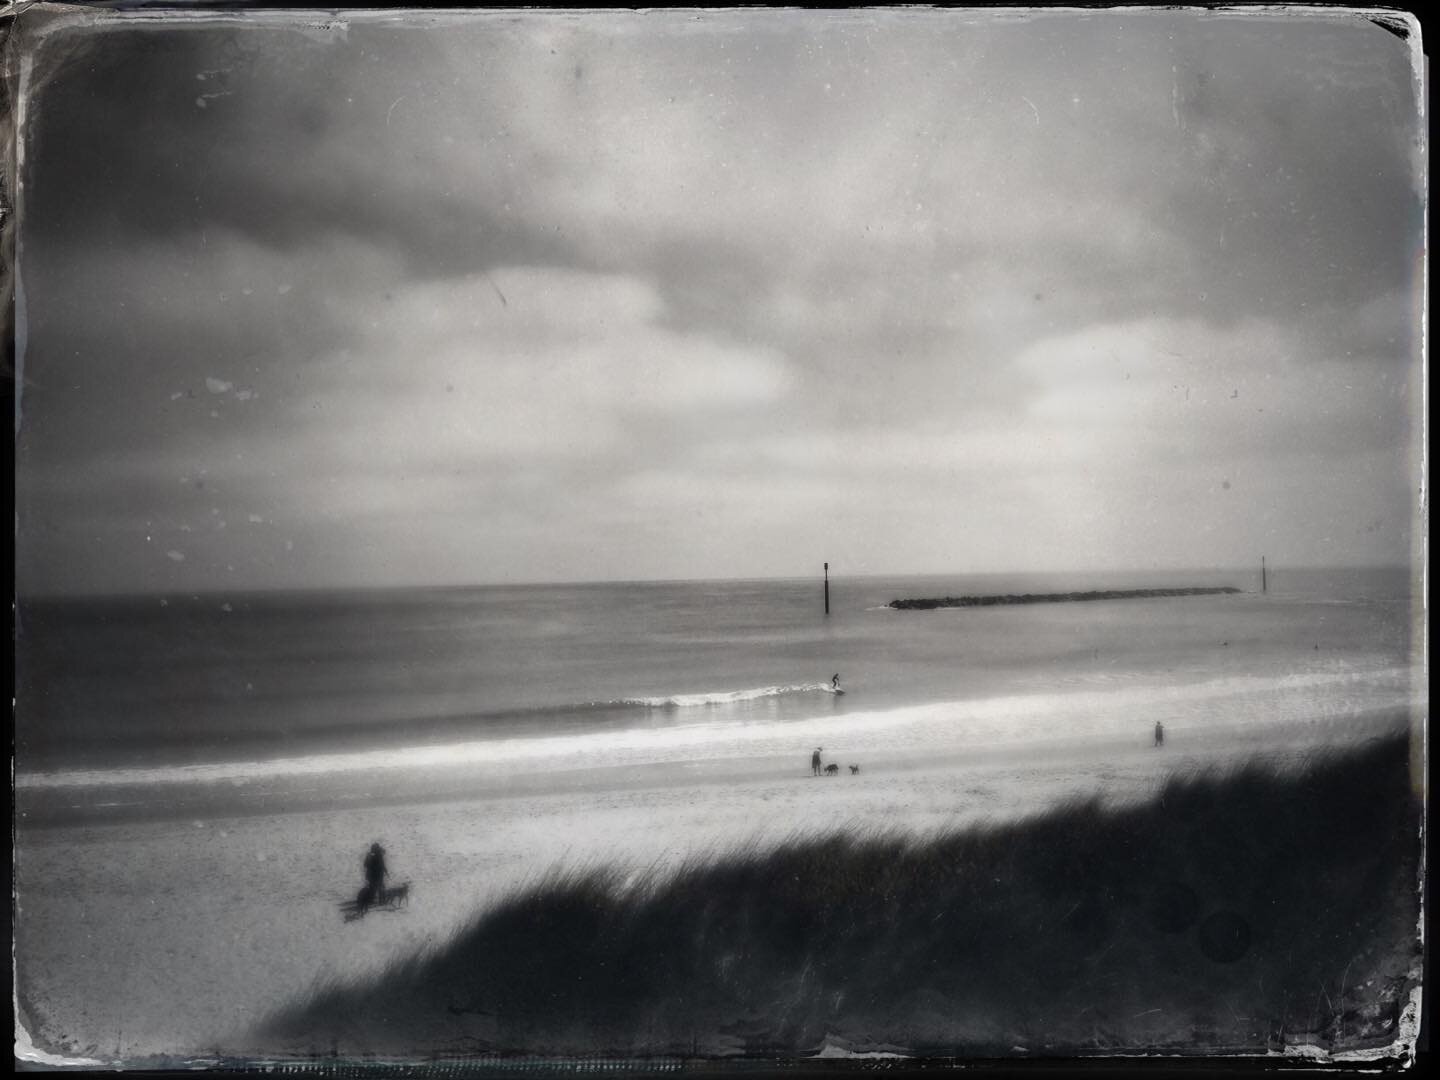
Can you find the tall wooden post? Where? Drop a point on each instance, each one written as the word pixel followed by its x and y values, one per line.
pixel 1262 573
pixel 827 588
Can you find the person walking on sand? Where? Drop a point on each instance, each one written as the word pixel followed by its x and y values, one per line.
pixel 1159 733
pixel 815 761
pixel 375 873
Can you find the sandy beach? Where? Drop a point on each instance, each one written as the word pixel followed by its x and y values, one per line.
pixel 174 937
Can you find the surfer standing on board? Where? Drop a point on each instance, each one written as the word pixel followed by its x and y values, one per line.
pixel 835 681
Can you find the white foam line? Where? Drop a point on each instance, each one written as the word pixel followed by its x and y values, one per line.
pixel 724 697
pixel 983 722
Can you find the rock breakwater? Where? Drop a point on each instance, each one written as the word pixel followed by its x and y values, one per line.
pixel 926 604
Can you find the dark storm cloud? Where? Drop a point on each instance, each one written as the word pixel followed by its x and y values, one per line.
pixel 155 133
pixel 1274 156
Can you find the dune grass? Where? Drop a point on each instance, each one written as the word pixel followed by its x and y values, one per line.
pixel 1240 912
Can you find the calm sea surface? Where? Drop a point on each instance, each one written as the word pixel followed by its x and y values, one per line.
pixel 154 682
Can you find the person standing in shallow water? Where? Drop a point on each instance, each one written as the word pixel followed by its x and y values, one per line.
pixel 815 762
pixel 1159 733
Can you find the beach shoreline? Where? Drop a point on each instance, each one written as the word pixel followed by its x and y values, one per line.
pixel 177 934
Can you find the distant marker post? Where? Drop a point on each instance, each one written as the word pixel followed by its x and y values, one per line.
pixel 1262 574
pixel 827 588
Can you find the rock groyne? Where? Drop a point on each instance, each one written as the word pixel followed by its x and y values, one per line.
pixel 1053 598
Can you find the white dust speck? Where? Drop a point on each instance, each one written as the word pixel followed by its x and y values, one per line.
pixel 200 103
pixel 257 519
pixel 198 824
pixel 175 556
pixel 177 395
pixel 289 545
pixel 214 415
pixel 283 289
pixel 217 386
pixel 226 607
pixel 245 395
pixel 248 292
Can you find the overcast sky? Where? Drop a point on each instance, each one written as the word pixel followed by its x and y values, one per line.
pixel 541 298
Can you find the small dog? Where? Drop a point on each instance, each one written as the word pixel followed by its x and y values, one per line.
pixel 854 770
pixel 399 896
pixel 832 770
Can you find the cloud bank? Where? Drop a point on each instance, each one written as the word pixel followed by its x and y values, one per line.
pixel 560 297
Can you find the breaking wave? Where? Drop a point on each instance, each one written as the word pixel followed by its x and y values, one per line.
pixel 724 697
pixel 948 726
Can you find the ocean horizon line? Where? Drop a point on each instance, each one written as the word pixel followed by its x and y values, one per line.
pixel 458 586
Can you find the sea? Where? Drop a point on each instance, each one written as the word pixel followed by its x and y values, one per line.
pixel 123 700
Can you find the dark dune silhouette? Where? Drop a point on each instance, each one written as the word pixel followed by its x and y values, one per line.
pixel 1239 912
